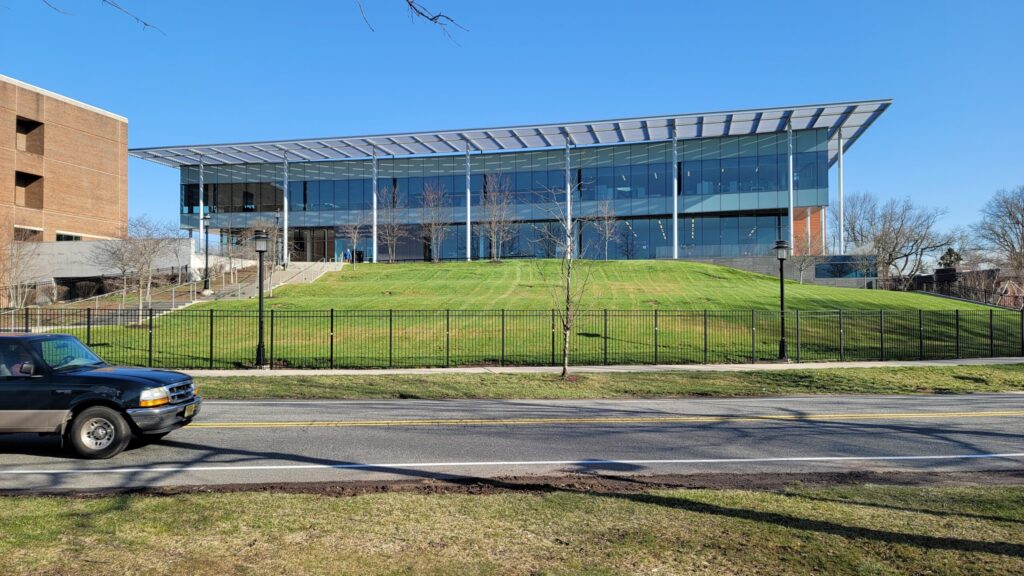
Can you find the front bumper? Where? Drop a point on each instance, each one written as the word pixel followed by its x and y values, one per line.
pixel 164 418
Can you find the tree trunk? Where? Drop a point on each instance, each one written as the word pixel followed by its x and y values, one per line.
pixel 567 320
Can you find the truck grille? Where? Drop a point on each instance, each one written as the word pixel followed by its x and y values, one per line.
pixel 182 392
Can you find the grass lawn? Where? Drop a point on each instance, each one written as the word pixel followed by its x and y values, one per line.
pixel 848 530
pixel 616 285
pixel 639 312
pixel 945 380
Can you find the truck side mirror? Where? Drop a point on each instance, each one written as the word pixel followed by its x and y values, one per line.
pixel 27 369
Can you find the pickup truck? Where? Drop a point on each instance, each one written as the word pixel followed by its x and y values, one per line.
pixel 53 384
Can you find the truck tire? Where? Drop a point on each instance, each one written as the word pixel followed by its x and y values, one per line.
pixel 98 433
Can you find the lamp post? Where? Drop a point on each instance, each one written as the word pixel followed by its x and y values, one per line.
pixel 206 250
pixel 781 248
pixel 260 244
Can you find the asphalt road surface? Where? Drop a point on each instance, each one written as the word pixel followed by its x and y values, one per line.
pixel 336 441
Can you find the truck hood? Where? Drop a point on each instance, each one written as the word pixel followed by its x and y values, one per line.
pixel 148 377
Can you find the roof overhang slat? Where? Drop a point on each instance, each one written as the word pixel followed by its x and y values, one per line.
pixel 852 117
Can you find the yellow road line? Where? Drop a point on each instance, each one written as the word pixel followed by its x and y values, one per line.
pixel 609 420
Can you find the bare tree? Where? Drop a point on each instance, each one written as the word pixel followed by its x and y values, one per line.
pixel 390 231
pixel 115 255
pixel 148 241
pixel 628 239
pixel 903 236
pixel 17 253
pixel 497 212
pixel 1001 229
pixel 570 286
pixel 436 218
pixel 606 225
pixel 353 232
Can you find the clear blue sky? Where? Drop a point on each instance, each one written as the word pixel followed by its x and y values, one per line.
pixel 229 71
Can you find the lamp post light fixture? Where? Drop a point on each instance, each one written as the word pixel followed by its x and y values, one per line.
pixel 781 251
pixel 259 239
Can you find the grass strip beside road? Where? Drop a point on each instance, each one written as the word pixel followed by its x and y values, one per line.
pixel 844 530
pixel 444 386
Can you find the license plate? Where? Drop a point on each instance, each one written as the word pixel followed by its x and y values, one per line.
pixel 190 411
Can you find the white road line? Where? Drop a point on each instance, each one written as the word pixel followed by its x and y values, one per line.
pixel 352 466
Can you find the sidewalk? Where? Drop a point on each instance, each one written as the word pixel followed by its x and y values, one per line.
pixel 628 368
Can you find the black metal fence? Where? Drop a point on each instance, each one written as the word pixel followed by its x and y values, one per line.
pixel 424 338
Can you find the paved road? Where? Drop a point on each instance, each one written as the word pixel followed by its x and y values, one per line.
pixel 280 441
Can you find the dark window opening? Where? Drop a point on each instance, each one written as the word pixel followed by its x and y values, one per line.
pixel 27 234
pixel 30 135
pixel 28 190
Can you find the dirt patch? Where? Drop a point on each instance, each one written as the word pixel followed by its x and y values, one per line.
pixel 591 484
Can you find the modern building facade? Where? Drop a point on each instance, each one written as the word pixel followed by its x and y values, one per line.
pixel 63 167
pixel 712 185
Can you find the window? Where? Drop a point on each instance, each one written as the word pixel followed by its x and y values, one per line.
pixel 28 190
pixel 63 353
pixel 12 357
pixel 62 237
pixel 30 135
pixel 27 234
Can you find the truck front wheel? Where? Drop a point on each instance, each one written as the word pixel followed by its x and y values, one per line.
pixel 99 432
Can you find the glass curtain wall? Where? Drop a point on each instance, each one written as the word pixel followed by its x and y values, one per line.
pixel 733 192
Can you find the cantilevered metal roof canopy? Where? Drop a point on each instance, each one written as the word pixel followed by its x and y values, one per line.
pixel 852 117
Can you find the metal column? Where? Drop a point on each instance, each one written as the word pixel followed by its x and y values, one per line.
pixel 286 257
pixel 842 215
pixel 469 233
pixel 202 194
pixel 675 193
pixel 374 187
pixel 570 245
pixel 789 212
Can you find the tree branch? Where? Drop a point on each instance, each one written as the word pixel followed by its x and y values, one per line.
pixel 113 4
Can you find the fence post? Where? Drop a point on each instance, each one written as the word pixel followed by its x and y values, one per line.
pixel 842 339
pixel 553 335
pixel 270 364
pixel 502 361
pixel 88 326
pixel 605 338
pixel 150 311
pixel 881 335
pixel 391 337
pixel 332 339
pixel 957 314
pixel 753 336
pixel 798 336
pixel 211 339
pixel 27 329
pixel 447 337
pixel 705 335
pixel 657 328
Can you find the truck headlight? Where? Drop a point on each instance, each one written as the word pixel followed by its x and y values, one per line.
pixel 154 397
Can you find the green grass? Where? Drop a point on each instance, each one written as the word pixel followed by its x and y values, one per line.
pixel 395 315
pixel 929 380
pixel 849 530
pixel 616 285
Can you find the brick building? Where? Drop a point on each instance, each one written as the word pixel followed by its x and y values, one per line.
pixel 63 167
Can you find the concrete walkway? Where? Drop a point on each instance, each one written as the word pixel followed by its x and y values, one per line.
pixel 627 368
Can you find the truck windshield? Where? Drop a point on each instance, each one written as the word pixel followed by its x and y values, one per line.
pixel 65 353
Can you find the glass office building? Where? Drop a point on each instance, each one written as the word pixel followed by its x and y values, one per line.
pixel 717 185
